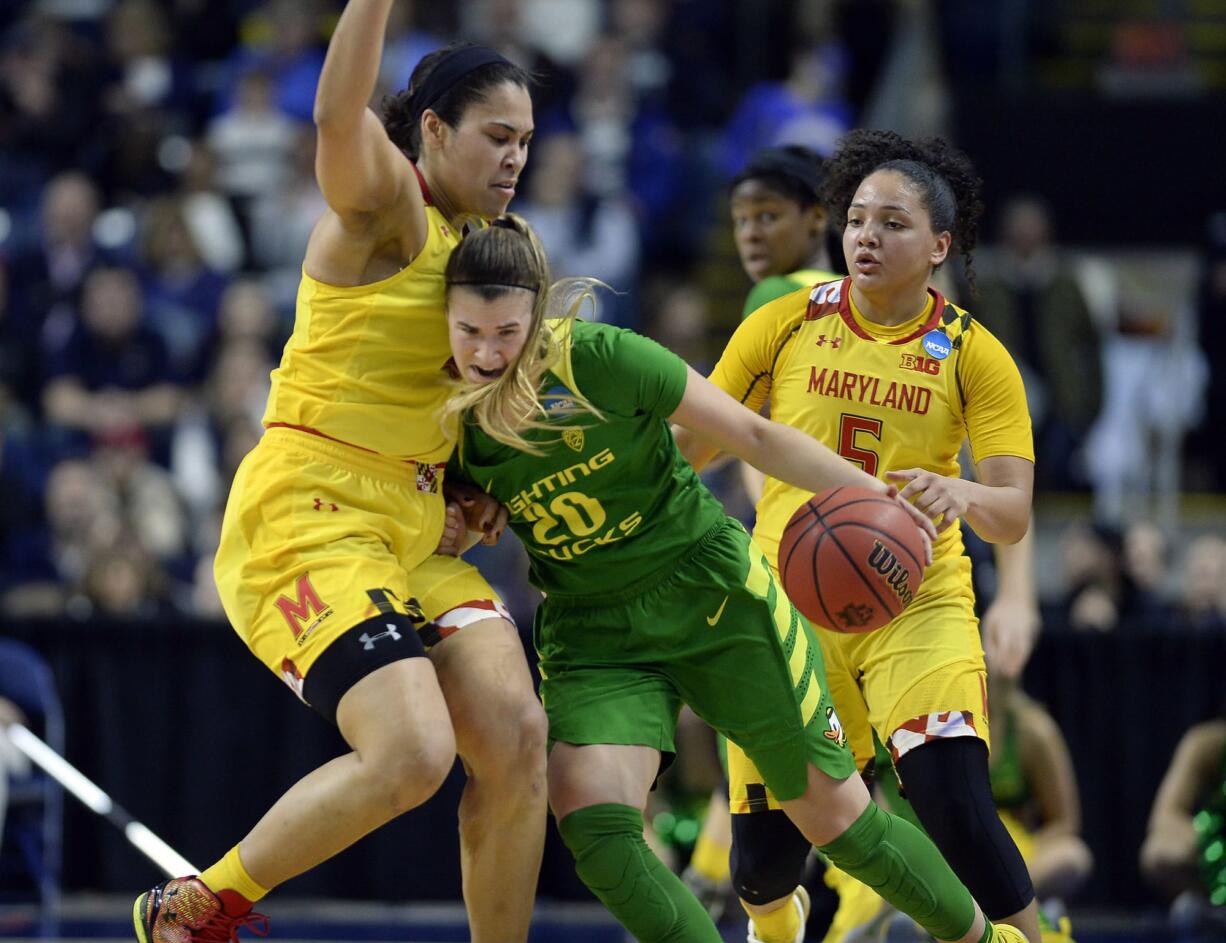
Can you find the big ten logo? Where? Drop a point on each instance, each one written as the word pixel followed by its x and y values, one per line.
pixel 572 523
pixel 928 365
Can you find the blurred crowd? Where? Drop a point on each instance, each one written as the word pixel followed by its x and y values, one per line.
pixel 157 192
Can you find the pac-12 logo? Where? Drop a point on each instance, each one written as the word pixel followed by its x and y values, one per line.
pixel 928 365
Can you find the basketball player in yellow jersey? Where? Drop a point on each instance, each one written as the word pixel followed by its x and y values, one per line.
pixel 326 563
pixel 883 370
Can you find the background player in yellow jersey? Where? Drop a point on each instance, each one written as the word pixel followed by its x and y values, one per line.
pixel 326 565
pixel 885 371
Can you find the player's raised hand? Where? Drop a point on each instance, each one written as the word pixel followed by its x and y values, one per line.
pixel 926 526
pixel 942 499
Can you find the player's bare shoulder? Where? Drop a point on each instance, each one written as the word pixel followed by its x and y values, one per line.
pixel 350 248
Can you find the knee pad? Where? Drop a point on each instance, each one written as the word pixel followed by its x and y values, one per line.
pixel 947 784
pixel 768 856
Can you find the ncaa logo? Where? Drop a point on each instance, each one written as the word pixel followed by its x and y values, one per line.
pixel 937 344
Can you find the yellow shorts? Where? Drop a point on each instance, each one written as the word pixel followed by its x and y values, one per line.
pixel 921 677
pixel 320 537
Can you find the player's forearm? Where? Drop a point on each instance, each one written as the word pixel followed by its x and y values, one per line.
pixel 697 450
pixel 351 67
pixel 1015 570
pixel 999 514
pixel 791 456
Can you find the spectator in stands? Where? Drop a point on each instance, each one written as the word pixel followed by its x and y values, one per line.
pixel 1093 579
pixel 282 219
pixel 49 106
pixel 808 108
pixel 122 582
pixel 1030 299
pixel 284 42
pixel 1147 570
pixel 253 144
pixel 584 233
pixel 111 374
pixel 1202 590
pixel 145 73
pixel 182 294
pixel 46 276
pixel 1182 853
pixel 83 515
pixel 632 146
pixel 209 216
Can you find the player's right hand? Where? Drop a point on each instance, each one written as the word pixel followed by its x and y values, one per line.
pixel 922 521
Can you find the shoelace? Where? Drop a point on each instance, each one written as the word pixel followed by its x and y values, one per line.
pixel 222 928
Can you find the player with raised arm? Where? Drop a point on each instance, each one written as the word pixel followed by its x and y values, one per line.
pixel 326 563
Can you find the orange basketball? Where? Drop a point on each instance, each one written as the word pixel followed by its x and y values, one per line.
pixel 851 559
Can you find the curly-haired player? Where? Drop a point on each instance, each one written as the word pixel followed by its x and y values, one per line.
pixel 881 368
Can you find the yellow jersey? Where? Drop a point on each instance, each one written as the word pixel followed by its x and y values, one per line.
pixel 885 398
pixel 367 365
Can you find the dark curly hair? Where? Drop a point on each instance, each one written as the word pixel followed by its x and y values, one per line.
pixel 948 184
pixel 403 121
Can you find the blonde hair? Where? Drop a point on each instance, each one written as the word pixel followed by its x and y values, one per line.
pixel 504 257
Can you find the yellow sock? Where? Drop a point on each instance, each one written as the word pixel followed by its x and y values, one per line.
pixel 710 859
pixel 229 874
pixel 781 925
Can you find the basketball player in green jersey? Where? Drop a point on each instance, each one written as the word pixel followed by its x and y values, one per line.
pixel 654 597
pixel 779 223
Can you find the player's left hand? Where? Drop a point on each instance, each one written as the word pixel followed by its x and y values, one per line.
pixel 942 499
pixel 1010 628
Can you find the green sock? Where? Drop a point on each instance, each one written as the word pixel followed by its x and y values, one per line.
pixel 613 860
pixel 902 864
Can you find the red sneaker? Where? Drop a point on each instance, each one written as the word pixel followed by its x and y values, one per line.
pixel 183 910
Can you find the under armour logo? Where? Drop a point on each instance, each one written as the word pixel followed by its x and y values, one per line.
pixel 834 341
pixel 368 641
pixel 320 502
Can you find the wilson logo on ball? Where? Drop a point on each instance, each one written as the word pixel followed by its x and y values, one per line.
pixel 851 559
pixel 882 559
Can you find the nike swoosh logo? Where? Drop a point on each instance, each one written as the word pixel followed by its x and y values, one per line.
pixel 711 620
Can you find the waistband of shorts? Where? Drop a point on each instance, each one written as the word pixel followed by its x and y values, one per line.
pixel 425 477
pixel 663 575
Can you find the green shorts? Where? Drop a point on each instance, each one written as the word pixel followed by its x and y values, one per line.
pixel 716 633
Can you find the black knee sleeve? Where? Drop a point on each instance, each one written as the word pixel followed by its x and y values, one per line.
pixel 947 783
pixel 768 856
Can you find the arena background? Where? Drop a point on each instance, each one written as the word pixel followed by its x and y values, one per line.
pixel 170 139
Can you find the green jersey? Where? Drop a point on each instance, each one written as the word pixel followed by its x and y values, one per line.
pixel 779 285
pixel 611 507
